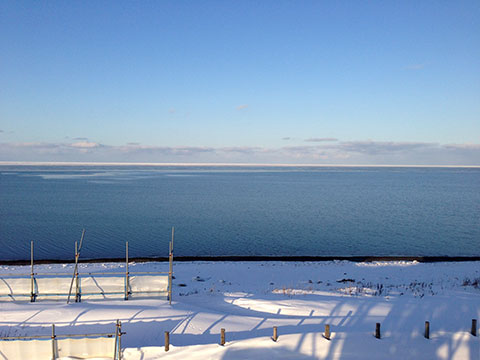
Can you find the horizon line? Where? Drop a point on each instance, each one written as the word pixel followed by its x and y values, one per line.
pixel 73 163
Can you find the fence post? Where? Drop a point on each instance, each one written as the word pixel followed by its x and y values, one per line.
pixel 54 352
pixel 222 336
pixel 167 341
pixel 474 327
pixel 327 332
pixel 32 275
pixel 275 334
pixel 377 330
pixel 127 281
pixel 427 330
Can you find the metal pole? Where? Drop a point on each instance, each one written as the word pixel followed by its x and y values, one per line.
pixel 377 330
pixel 119 340
pixel 170 270
pixel 115 351
pixel 77 255
pixel 76 275
pixel 474 327
pixel 32 276
pixel 427 330
pixel 170 276
pixel 126 271
pixel 54 355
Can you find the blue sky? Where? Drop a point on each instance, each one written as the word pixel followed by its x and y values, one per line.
pixel 377 82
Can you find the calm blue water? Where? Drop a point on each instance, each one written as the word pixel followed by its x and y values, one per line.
pixel 238 211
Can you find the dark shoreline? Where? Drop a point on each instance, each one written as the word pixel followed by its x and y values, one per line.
pixel 424 259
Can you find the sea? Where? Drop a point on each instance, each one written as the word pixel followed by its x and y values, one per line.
pixel 238 210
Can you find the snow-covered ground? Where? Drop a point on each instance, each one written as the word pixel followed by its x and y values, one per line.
pixel 248 298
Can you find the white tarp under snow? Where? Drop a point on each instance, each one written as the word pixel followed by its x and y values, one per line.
pixel 83 348
pixel 91 287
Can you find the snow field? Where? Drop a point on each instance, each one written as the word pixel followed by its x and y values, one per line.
pixel 300 298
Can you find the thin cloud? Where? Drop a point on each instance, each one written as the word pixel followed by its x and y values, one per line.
pixel 242 149
pixel 462 146
pixel 287 138
pixel 352 152
pixel 80 139
pixel 85 145
pixel 163 150
pixel 327 139
pixel 242 107
pixel 172 111
pixel 383 147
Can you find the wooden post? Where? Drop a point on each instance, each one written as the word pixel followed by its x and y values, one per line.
pixel 474 327
pixel 32 275
pixel 222 336
pixel 54 352
pixel 427 330
pixel 167 341
pixel 377 330
pixel 127 280
pixel 275 334
pixel 327 332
